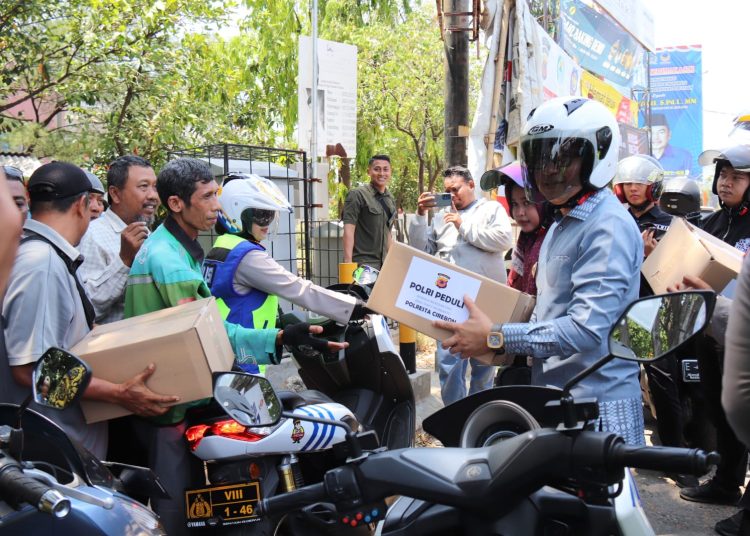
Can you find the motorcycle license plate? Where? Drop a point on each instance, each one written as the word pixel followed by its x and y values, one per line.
pixel 690 372
pixel 228 504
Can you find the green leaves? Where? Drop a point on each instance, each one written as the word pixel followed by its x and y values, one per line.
pixel 99 78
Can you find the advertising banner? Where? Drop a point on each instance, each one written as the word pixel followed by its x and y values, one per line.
pixel 537 77
pixel 624 109
pixel 598 43
pixel 635 16
pixel 677 109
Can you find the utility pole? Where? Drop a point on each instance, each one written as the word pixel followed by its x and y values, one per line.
pixel 458 23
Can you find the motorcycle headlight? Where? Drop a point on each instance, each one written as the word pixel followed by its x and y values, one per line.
pixel 145 522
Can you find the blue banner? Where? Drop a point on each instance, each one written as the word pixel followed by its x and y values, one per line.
pixel 598 43
pixel 677 109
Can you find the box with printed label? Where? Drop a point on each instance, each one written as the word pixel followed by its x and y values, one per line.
pixel 686 250
pixel 416 288
pixel 186 343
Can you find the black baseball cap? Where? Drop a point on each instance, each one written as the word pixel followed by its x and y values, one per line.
pixel 57 180
pixel 659 120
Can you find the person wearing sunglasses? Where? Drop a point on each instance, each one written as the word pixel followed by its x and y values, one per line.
pixel 246 280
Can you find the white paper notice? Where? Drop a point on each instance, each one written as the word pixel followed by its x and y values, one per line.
pixel 436 293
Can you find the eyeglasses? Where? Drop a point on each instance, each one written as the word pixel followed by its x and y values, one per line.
pixel 13 173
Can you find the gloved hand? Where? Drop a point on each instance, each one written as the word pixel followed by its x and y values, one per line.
pixel 360 311
pixel 299 335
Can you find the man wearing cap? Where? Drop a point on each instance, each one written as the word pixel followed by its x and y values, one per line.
pixel 45 304
pixel 96 196
pixel 17 190
pixel 471 233
pixel 113 240
pixel 675 161
pixel 731 223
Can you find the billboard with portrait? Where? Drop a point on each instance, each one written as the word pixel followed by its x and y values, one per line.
pixel 677 109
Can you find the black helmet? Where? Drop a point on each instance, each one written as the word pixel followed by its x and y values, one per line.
pixel 737 156
pixel 681 197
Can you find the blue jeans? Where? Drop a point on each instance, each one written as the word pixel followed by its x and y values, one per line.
pixel 452 373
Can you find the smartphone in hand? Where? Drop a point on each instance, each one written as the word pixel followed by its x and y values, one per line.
pixel 442 199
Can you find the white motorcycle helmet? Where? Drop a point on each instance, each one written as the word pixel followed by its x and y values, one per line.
pixel 567 142
pixel 250 199
pixel 641 169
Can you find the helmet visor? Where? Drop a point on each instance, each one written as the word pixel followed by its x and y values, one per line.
pixel 556 167
pixel 262 217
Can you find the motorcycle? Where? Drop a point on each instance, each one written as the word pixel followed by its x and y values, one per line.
pixel 51 485
pixel 514 473
pixel 365 386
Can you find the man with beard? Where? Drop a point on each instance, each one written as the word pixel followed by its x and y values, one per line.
pixel 588 270
pixel 112 240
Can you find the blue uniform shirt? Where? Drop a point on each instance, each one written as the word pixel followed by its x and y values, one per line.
pixel 588 273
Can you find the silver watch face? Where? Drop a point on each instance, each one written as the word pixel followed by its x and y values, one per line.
pixel 494 340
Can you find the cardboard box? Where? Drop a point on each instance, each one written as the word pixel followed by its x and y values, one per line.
pixel 187 343
pixel 686 250
pixel 415 288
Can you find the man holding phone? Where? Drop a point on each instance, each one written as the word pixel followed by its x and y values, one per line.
pixel 471 233
pixel 110 244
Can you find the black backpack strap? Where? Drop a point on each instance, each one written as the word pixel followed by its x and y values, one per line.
pixel 72 266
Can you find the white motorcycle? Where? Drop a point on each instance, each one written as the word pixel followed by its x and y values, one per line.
pixel 366 387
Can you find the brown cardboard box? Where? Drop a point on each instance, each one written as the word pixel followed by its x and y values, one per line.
pixel 186 343
pixel 686 250
pixel 414 288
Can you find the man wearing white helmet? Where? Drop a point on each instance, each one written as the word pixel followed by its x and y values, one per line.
pixel 638 183
pixel 588 270
pixel 246 279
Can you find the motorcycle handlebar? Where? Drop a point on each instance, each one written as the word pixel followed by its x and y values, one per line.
pixel 669 459
pixel 19 487
pixel 293 500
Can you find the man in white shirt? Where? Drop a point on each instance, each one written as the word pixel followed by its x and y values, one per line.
pixel 46 306
pixel 471 233
pixel 112 240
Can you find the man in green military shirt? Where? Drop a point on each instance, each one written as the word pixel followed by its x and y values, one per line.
pixel 369 212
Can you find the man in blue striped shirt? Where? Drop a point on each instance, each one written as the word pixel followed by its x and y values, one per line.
pixel 589 265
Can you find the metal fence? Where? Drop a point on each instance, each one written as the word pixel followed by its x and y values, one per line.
pixel 310 249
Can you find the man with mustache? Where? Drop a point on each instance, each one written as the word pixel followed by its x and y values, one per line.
pixel 110 244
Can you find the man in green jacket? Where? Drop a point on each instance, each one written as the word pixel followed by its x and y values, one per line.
pixel 167 272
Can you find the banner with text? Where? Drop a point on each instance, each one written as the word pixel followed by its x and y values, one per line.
pixel 677 109
pixel 624 109
pixel 435 292
pixel 598 43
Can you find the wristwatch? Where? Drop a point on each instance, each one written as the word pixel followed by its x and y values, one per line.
pixel 495 339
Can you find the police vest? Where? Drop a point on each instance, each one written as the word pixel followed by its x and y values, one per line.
pixel 253 309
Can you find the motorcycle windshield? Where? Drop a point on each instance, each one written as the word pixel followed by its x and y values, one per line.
pixel 45 441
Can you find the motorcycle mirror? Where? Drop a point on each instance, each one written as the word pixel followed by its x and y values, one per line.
pixel 365 275
pixel 249 400
pixel 59 379
pixel 654 326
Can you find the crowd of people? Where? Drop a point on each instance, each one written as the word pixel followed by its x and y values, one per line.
pixel 70 264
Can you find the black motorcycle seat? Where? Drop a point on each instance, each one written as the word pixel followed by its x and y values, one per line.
pixel 292 400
